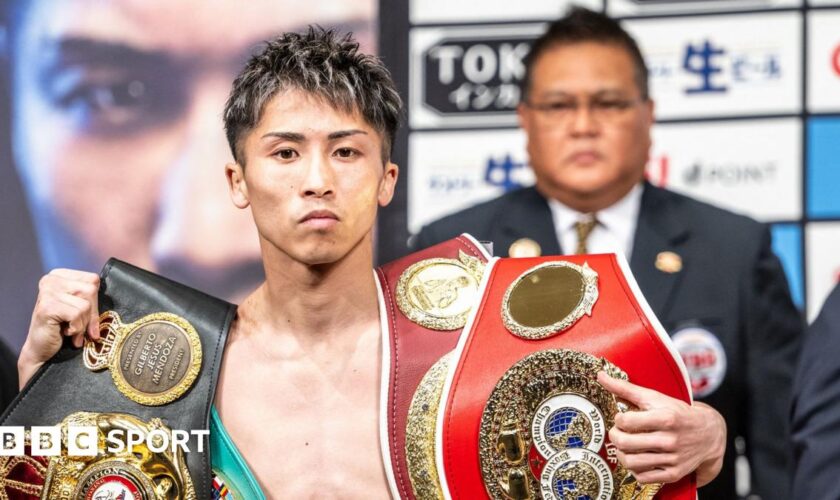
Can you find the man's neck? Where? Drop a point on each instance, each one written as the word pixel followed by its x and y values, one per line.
pixel 315 303
pixel 586 204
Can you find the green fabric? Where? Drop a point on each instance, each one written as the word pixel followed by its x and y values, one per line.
pixel 229 464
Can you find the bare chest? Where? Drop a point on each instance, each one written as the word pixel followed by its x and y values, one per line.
pixel 306 431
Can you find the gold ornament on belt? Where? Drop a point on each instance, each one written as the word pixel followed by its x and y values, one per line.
pixel 116 469
pixel 549 298
pixel 153 360
pixel 420 432
pixel 543 432
pixel 440 293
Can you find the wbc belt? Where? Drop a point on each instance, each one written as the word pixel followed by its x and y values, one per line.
pixel 425 299
pixel 522 415
pixel 154 371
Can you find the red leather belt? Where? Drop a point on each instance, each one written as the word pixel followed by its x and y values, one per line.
pixel 427 297
pixel 523 414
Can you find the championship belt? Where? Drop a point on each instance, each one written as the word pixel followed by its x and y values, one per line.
pixel 133 471
pixel 521 414
pixel 424 301
pixel 154 370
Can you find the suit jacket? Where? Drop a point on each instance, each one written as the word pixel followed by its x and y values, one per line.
pixel 8 376
pixel 731 285
pixel 815 425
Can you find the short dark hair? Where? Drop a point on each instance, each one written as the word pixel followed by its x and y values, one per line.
pixel 322 63
pixel 581 25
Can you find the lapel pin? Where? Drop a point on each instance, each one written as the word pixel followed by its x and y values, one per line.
pixel 524 247
pixel 668 262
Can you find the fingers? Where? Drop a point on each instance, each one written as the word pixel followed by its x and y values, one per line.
pixel 639 463
pixel 657 419
pixel 666 475
pixel 80 284
pixel 649 442
pixel 66 312
pixel 637 395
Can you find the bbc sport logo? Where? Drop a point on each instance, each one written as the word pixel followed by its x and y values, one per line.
pixel 82 441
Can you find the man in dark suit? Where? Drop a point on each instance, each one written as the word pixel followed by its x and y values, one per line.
pixel 8 375
pixel 815 425
pixel 709 275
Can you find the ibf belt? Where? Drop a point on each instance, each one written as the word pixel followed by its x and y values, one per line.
pixel 425 298
pixel 521 414
pixel 138 468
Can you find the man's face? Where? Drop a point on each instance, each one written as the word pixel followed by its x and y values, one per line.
pixel 313 177
pixel 588 126
pixel 118 131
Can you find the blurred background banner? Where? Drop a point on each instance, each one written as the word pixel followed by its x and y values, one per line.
pixel 111 140
pixel 111 136
pixel 747 99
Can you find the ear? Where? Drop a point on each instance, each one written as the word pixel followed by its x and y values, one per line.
pixel 388 184
pixel 649 108
pixel 235 174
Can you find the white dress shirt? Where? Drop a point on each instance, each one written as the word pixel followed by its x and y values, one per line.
pixel 615 229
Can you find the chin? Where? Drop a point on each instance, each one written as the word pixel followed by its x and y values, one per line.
pixel 320 256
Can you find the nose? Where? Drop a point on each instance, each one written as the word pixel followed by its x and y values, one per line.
pixel 200 237
pixel 583 123
pixel 318 178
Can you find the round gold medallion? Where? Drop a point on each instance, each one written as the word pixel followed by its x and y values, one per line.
pixel 545 424
pixel 440 293
pixel 114 480
pixel 549 298
pixel 153 361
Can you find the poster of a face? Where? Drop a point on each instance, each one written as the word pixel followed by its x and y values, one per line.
pixel 113 121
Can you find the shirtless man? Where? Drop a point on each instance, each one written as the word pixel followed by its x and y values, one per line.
pixel 311 123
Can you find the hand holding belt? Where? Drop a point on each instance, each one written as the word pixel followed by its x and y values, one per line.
pixel 163 349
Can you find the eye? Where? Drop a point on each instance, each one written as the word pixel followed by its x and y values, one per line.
pixel 346 152
pixel 559 106
pixel 611 104
pixel 286 154
pixel 112 102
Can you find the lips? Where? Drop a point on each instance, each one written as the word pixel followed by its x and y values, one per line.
pixel 319 219
pixel 585 157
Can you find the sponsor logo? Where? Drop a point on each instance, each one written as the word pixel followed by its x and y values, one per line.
pixel 835 60
pixel 730 174
pixel 660 172
pixel 82 440
pixel 465 76
pixel 474 75
pixel 704 359
pixel 502 172
pixel 715 68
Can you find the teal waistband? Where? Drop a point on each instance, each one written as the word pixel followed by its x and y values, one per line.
pixel 228 464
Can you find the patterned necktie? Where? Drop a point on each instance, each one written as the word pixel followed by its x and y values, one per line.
pixel 583 229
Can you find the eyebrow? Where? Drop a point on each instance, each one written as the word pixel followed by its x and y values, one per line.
pixel 82 50
pixel 298 137
pixel 597 93
pixel 345 133
pixel 286 136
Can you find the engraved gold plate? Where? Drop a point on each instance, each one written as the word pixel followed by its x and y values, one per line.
pixel 439 293
pixel 549 298
pixel 153 361
pixel 543 432
pixel 134 471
